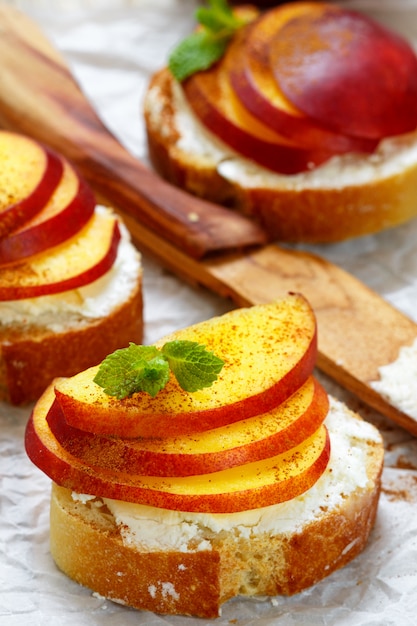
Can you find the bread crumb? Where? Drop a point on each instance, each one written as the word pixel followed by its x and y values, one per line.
pixel 168 589
pixel 97 595
pixel 82 497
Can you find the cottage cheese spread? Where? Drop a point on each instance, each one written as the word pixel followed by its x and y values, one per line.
pixel 397 382
pixel 160 529
pixel 393 155
pixel 72 308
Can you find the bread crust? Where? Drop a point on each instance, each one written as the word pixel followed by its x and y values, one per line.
pixel 87 546
pixel 314 211
pixel 198 582
pixel 30 357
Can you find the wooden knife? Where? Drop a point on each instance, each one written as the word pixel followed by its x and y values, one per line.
pixel 201 242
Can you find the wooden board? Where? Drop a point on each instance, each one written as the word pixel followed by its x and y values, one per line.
pixel 358 330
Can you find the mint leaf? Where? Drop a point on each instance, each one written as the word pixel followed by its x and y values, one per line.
pixel 132 369
pixel 193 366
pixel 145 368
pixel 218 17
pixel 203 48
pixel 196 53
pixel 155 376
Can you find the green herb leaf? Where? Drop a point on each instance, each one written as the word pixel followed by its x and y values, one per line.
pixel 203 48
pixel 193 366
pixel 132 369
pixel 217 17
pixel 196 53
pixel 155 376
pixel 145 368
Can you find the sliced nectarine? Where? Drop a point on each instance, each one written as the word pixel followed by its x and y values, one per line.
pixel 74 263
pixel 346 71
pixel 254 83
pixel 214 101
pixel 269 352
pixel 29 174
pixel 242 442
pixel 258 484
pixel 67 211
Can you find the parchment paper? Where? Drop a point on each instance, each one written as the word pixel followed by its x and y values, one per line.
pixel 112 47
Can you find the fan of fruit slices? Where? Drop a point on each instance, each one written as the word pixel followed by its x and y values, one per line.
pixel 51 237
pixel 252 438
pixel 301 83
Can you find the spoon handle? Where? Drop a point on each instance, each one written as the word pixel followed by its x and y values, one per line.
pixel 40 97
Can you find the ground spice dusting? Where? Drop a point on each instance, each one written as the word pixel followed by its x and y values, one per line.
pixel 404 463
pixel 404 489
pixel 396 495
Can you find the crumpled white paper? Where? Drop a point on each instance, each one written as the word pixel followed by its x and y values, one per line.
pixel 112 47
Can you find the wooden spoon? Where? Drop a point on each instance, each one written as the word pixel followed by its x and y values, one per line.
pixel 40 97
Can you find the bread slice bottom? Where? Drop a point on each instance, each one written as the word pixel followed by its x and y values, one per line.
pixel 309 538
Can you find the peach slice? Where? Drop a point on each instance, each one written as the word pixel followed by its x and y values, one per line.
pixel 29 173
pixel 346 71
pixel 67 211
pixel 254 83
pixel 74 263
pixel 258 484
pixel 269 352
pixel 242 442
pixel 215 103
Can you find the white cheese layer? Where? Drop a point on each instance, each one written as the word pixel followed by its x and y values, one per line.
pixel 72 308
pixel 398 381
pixel 392 156
pixel 159 529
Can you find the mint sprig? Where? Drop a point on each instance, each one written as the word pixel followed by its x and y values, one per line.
pixel 203 48
pixel 145 368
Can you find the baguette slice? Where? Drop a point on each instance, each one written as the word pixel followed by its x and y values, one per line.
pixel 348 196
pixel 42 338
pixel 289 546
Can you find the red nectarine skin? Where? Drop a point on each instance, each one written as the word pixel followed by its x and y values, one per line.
pixel 211 99
pixel 255 485
pixel 95 250
pixel 245 441
pixel 50 169
pixel 254 83
pixel 302 129
pixel 68 210
pixel 347 72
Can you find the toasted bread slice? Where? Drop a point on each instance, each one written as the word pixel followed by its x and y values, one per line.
pixel 186 563
pixel 348 196
pixel 62 334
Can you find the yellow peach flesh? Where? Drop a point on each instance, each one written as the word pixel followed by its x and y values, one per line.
pixel 269 351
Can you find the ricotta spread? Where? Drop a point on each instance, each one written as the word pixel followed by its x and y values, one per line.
pixel 392 156
pixel 72 308
pixel 159 529
pixel 397 381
